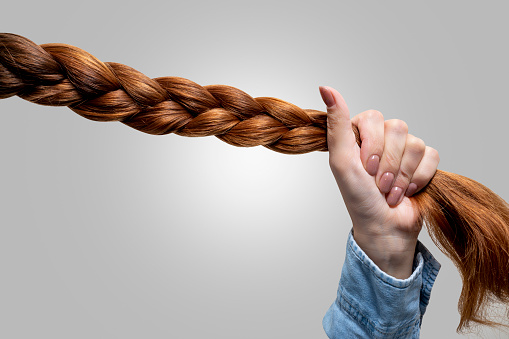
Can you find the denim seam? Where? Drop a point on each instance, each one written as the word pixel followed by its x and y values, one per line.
pixel 428 280
pixel 371 327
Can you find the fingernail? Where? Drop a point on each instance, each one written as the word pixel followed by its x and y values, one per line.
pixel 386 182
pixel 372 165
pixel 412 188
pixel 394 196
pixel 327 97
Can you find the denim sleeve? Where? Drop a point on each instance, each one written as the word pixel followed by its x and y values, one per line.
pixel 373 304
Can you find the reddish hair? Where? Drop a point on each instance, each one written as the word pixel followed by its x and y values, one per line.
pixel 465 219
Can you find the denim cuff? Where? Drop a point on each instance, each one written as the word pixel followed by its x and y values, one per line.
pixel 384 305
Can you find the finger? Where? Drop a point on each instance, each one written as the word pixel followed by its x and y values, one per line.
pixel 424 172
pixel 394 145
pixel 412 156
pixel 371 129
pixel 340 137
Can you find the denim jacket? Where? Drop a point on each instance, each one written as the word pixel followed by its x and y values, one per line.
pixel 373 304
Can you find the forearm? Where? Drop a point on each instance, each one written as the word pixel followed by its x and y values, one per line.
pixel 371 303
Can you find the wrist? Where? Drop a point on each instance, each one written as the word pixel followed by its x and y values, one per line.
pixel 393 254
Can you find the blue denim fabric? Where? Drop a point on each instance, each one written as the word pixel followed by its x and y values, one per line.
pixel 373 304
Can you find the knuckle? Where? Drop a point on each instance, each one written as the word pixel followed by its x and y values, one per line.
pixel 369 115
pixel 416 144
pixel 433 153
pixel 373 114
pixel 332 122
pixel 397 125
pixel 331 133
pixel 404 176
pixel 391 161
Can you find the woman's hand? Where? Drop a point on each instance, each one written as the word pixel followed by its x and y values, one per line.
pixel 377 179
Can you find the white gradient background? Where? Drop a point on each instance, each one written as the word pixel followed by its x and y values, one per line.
pixel 107 232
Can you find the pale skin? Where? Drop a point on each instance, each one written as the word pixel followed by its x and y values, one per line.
pixel 384 217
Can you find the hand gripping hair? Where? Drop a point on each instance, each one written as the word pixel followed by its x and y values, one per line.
pixel 465 219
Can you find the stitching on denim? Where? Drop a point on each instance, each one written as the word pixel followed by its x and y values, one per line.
pixel 430 274
pixel 372 327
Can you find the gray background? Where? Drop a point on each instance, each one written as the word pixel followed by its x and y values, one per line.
pixel 106 232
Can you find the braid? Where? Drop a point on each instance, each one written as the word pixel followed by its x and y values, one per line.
pixel 465 219
pixel 63 75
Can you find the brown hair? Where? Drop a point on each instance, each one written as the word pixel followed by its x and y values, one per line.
pixel 465 219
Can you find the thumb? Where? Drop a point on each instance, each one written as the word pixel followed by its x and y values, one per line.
pixel 340 137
